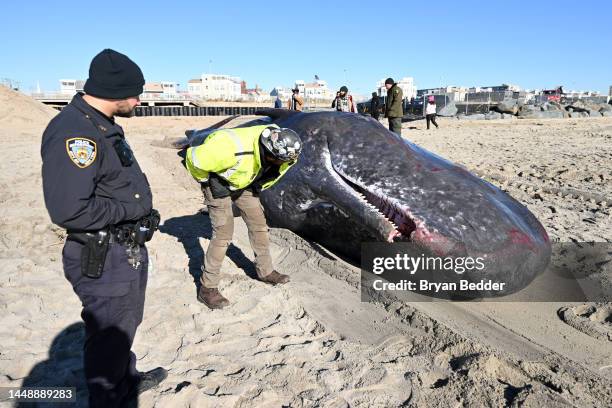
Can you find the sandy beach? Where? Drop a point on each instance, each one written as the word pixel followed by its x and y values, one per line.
pixel 313 342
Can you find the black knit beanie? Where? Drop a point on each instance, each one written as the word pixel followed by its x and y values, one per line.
pixel 113 75
pixel 389 81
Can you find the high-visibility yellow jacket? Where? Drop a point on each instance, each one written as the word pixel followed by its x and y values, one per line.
pixel 233 154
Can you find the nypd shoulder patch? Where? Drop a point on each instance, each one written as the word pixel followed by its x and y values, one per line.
pixel 82 151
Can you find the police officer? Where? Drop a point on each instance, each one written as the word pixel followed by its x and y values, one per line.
pixel 95 189
pixel 234 165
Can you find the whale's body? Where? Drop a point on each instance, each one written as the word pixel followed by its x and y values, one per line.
pixel 357 182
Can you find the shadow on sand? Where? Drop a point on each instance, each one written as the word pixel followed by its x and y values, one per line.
pixel 188 229
pixel 63 368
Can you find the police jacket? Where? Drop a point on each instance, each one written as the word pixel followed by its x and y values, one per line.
pixel 234 155
pixel 90 178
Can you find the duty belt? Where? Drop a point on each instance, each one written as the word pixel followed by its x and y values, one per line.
pixel 129 234
pixel 117 235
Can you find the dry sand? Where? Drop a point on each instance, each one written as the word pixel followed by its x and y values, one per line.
pixel 312 342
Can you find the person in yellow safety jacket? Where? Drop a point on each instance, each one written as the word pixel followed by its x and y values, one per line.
pixel 233 166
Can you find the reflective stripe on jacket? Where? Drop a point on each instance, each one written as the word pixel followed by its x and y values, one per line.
pixel 233 154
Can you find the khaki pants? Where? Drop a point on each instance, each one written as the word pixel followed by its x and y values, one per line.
pixel 222 220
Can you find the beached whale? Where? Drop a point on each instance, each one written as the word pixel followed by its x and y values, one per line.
pixel 357 182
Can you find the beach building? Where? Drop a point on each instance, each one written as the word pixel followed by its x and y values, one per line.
pixel 169 88
pixel 301 85
pixel 253 94
pixel 318 90
pixel 194 86
pixel 217 87
pixel 160 89
pixel 71 86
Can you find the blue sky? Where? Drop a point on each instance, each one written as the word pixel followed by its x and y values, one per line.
pixel 530 43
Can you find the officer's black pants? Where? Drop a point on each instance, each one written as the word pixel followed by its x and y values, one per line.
pixel 112 310
pixel 395 125
pixel 431 118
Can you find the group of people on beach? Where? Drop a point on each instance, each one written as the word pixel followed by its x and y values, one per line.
pixel 393 106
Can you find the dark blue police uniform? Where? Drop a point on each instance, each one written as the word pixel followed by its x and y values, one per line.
pixel 87 188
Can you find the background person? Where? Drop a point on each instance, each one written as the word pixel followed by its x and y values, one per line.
pixel 343 101
pixel 296 102
pixel 375 106
pixel 430 111
pixel 394 110
pixel 278 104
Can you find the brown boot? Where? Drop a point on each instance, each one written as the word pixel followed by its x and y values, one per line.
pixel 212 298
pixel 275 278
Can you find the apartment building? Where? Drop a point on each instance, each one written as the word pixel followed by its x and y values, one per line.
pixel 71 86
pixel 216 87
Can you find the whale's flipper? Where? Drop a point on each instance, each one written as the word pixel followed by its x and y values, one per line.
pixel 193 137
pixel 189 132
pixel 276 113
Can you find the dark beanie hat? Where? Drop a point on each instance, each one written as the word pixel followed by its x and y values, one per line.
pixel 389 81
pixel 343 89
pixel 113 75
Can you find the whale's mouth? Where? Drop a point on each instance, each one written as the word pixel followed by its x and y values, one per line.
pixel 402 225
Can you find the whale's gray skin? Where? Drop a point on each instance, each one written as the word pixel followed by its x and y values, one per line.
pixel 357 182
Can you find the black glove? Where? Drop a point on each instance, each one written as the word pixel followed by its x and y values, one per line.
pixel 146 227
pixel 155 219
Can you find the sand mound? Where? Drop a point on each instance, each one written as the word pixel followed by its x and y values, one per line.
pixel 19 110
pixel 592 319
